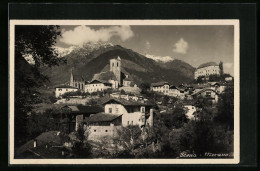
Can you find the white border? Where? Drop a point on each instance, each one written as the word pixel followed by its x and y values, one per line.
pixel 236 158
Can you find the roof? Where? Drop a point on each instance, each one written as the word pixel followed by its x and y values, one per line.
pixel 104 76
pixel 81 109
pixel 173 87
pixel 125 102
pixel 66 86
pixel 201 91
pixel 78 77
pixel 208 64
pixel 159 84
pixel 102 117
pixel 95 82
pixel 44 138
pixel 128 79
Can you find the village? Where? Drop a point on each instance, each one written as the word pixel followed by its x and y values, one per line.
pixel 97 112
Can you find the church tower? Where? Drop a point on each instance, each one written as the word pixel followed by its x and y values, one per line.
pixel 115 67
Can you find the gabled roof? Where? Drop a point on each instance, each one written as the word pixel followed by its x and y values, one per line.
pixel 66 86
pixel 159 84
pixel 206 89
pixel 208 64
pixel 102 117
pixel 125 102
pixel 95 82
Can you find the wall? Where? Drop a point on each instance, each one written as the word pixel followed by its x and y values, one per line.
pixel 98 132
pixel 90 88
pixel 59 93
pixel 135 117
pixel 190 110
pixel 163 89
pixel 206 71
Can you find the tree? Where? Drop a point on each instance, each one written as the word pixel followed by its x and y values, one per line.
pixel 221 68
pixel 144 87
pixel 37 43
pixel 82 147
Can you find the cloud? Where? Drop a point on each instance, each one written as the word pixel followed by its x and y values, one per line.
pixel 228 65
pixel 181 46
pixel 163 59
pixel 84 34
pixel 147 45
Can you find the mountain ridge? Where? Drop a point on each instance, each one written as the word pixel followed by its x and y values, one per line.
pixel 141 68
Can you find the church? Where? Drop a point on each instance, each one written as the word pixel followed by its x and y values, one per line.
pixel 114 78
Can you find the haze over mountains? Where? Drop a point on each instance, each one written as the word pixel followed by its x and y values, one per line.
pixel 94 58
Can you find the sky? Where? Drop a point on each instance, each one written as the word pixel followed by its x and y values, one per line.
pixel 192 44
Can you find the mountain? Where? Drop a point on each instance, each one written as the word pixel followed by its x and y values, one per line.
pixel 142 69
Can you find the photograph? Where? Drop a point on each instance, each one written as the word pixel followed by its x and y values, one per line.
pixel 124 92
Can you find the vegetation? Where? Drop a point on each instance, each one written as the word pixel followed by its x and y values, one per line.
pixel 36 42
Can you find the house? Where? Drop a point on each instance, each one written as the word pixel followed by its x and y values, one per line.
pixel 218 87
pixel 174 91
pixel 60 90
pixel 190 107
pixel 207 94
pixel 73 115
pixel 96 85
pixel 133 112
pixel 103 125
pixel 161 87
pixel 46 145
pixel 228 79
pixel 207 69
pixel 118 113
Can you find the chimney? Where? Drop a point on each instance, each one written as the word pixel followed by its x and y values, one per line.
pixel 35 143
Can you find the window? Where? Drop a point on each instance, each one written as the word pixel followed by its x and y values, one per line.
pixel 142 109
pixel 116 110
pixel 117 64
pixel 66 89
pixel 76 85
pixel 95 130
pixel 110 110
pixel 105 130
pixel 127 122
pixel 113 64
pixel 60 89
pixel 132 122
pixel 208 94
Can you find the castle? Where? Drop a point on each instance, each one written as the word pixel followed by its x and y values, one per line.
pixel 207 69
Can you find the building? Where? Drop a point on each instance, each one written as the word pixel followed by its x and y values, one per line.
pixel 207 69
pixel 115 75
pixel 133 112
pixel 96 85
pixel 73 115
pixel 60 90
pixel 115 67
pixel 208 94
pixel 77 81
pixel 218 87
pixel 161 87
pixel 174 91
pixel 229 79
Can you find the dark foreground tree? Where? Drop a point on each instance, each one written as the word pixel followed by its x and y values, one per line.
pixel 35 42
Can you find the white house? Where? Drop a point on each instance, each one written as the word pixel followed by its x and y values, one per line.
pixel 207 93
pixel 161 87
pixel 96 85
pixel 174 91
pixel 60 90
pixel 133 112
pixel 207 69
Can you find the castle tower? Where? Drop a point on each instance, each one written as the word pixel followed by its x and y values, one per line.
pixel 115 67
